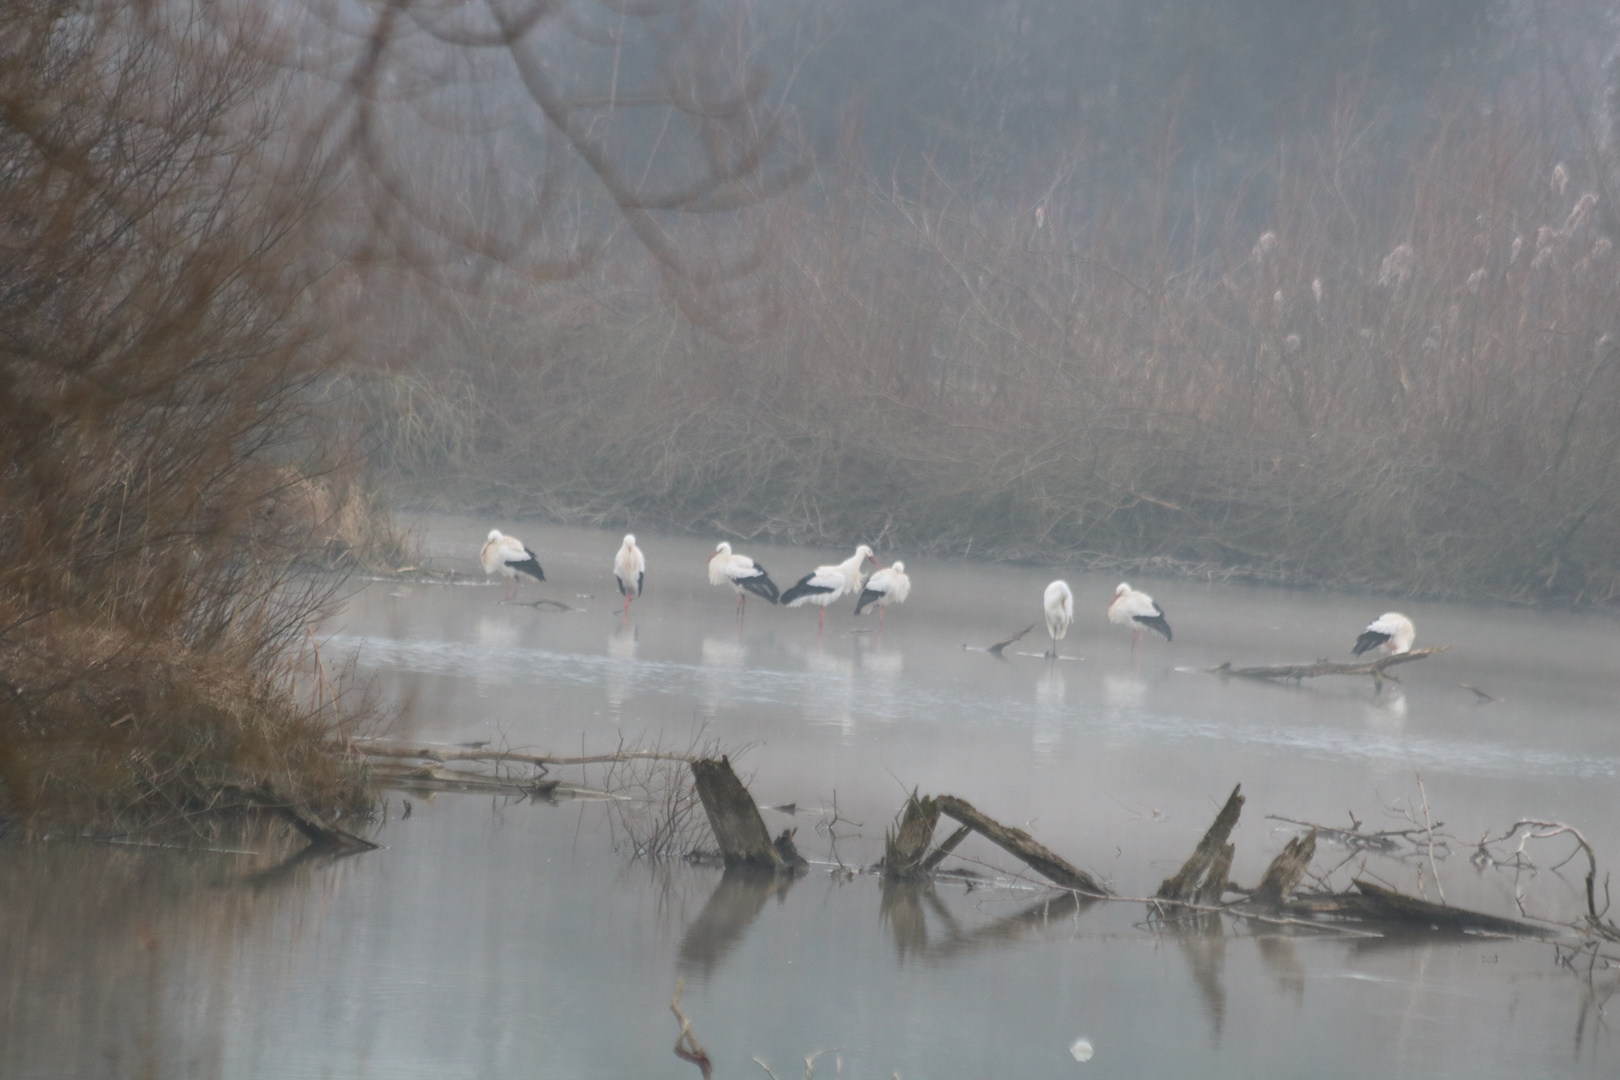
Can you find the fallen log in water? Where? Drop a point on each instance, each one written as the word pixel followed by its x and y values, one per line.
pixel 909 842
pixel 1378 669
pixel 430 777
pixel 319 833
pixel 499 756
pixel 1377 904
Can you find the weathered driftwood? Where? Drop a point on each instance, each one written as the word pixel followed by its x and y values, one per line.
pixel 430 777
pixel 1378 669
pixel 687 1047
pixel 1285 871
pixel 733 816
pixel 1000 646
pixel 1377 904
pixel 1385 841
pixel 445 753
pixel 1185 884
pixel 1021 844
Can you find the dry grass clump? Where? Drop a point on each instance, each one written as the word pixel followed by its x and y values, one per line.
pixel 1403 376
pixel 106 729
pixel 156 360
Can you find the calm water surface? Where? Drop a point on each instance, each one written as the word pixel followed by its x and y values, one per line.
pixel 496 938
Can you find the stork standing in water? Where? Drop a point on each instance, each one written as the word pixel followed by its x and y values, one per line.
pixel 1392 630
pixel 507 556
pixel 629 567
pixel 885 587
pixel 741 573
pixel 1137 610
pixel 1059 605
pixel 825 584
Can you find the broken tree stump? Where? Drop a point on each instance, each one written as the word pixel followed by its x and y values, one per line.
pixel 733 817
pixel 1378 669
pixel 1209 894
pixel 1284 872
pixel 905 847
pixel 1021 844
pixel 1184 885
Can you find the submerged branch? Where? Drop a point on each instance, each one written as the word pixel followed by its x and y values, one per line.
pixel 1377 668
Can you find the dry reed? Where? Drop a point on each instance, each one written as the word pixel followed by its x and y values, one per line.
pixel 1404 377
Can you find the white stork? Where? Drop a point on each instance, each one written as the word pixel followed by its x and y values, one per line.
pixel 1059 605
pixel 507 556
pixel 825 584
pixel 1392 630
pixel 885 587
pixel 629 567
pixel 1137 610
pixel 741 573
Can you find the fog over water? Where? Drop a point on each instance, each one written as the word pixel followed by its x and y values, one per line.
pixel 495 937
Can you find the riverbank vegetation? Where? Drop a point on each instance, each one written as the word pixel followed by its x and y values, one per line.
pixel 1381 352
pixel 162 480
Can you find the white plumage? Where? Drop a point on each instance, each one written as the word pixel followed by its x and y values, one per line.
pixel 1059 604
pixel 825 584
pixel 507 556
pixel 630 568
pixel 1392 630
pixel 887 586
pixel 1136 609
pixel 741 573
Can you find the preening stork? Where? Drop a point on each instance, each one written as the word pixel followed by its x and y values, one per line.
pixel 507 556
pixel 885 587
pixel 629 567
pixel 741 573
pixel 1137 610
pixel 1392 630
pixel 825 584
pixel 1059 603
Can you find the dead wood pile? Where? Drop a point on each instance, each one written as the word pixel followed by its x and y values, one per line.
pixel 1201 887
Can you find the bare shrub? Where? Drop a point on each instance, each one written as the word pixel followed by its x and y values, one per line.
pixel 154 361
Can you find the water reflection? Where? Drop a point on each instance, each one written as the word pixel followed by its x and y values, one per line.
pixel 906 908
pixel 1280 957
pixel 1050 691
pixel 1124 691
pixel 484 940
pixel 721 659
pixel 1387 710
pixel 621 674
pixel 1205 952
pixel 495 634
pixel 724 921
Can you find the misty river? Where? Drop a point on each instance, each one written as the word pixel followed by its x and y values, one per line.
pixel 507 938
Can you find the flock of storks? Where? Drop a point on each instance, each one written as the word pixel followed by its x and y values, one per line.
pixel 509 557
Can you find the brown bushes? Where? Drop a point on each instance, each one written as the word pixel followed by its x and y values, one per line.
pixel 155 358
pixel 1405 377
